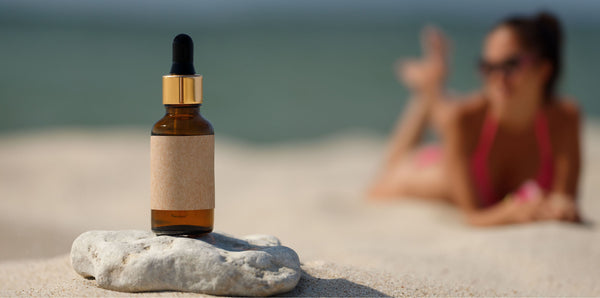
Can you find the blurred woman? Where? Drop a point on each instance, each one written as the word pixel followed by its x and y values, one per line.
pixel 509 153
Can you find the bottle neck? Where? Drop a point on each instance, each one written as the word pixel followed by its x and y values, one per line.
pixel 183 110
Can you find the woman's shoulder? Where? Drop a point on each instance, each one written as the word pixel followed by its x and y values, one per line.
pixel 564 112
pixel 564 122
pixel 566 106
pixel 464 111
pixel 463 117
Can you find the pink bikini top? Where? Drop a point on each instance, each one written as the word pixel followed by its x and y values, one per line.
pixel 479 160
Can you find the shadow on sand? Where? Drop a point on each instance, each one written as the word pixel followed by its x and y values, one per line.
pixel 310 286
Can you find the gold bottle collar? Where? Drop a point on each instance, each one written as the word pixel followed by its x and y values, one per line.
pixel 182 89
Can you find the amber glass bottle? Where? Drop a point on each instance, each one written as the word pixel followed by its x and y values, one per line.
pixel 182 153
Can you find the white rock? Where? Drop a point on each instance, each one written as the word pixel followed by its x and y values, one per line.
pixel 216 264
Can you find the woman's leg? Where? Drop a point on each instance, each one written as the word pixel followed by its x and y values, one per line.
pixel 408 131
pixel 403 173
pixel 409 179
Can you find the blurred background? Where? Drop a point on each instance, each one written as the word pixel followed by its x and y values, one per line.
pixel 301 94
pixel 273 70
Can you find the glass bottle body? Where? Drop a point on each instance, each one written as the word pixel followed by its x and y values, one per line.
pixel 182 120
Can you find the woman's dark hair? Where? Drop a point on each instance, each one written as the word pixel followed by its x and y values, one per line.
pixel 542 35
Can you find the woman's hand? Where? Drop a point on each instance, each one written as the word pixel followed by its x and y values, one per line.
pixel 426 74
pixel 558 207
pixel 509 211
pixel 521 211
pixel 552 207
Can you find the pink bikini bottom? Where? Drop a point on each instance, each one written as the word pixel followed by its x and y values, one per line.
pixel 428 155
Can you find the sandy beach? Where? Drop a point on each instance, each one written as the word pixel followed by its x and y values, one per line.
pixel 56 184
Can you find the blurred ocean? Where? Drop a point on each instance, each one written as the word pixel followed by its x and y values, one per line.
pixel 273 70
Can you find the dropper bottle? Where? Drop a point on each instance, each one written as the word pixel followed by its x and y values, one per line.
pixel 182 152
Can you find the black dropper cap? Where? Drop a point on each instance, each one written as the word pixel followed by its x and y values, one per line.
pixel 183 55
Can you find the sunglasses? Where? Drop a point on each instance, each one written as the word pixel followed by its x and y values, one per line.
pixel 506 67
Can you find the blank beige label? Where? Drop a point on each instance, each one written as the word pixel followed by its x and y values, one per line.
pixel 182 170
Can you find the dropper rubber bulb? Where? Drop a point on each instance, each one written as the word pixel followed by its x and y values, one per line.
pixel 183 55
